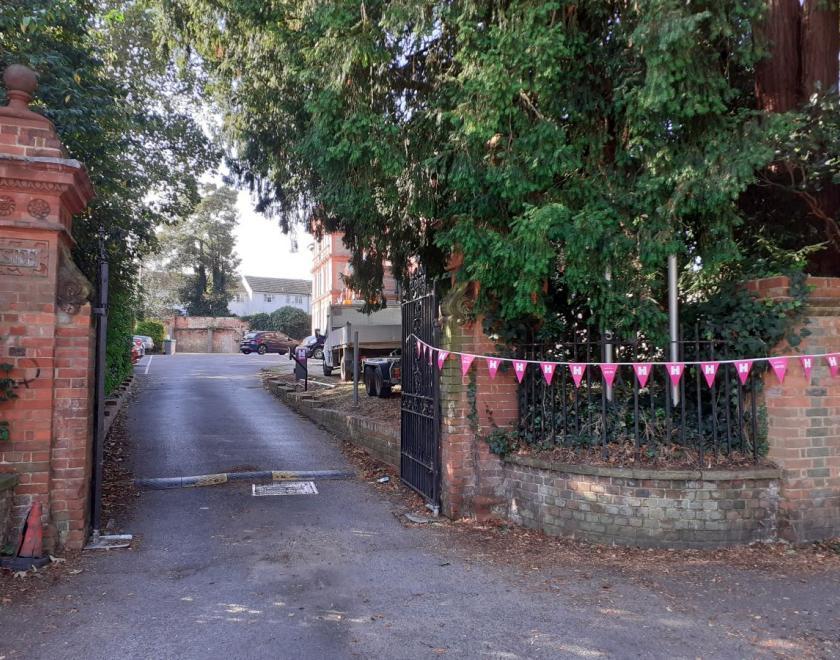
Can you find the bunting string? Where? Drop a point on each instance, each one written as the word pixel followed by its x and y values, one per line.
pixel 643 370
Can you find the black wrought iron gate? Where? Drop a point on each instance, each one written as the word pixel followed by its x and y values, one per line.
pixel 420 417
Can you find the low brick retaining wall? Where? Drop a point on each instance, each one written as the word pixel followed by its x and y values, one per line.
pixel 380 440
pixel 7 488
pixel 648 508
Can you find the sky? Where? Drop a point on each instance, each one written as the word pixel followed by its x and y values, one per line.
pixel 265 250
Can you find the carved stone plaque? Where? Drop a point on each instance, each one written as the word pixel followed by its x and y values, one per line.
pixel 23 257
pixel 7 205
pixel 38 208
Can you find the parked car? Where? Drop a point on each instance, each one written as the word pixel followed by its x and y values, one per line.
pixel 314 345
pixel 137 350
pixel 265 341
pixel 148 342
pixel 382 373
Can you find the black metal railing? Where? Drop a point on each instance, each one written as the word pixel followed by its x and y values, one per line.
pixel 724 419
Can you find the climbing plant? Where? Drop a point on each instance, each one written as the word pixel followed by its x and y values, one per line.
pixel 8 386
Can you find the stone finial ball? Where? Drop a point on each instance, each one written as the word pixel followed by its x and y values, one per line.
pixel 18 77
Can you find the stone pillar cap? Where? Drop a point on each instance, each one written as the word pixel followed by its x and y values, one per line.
pixel 20 82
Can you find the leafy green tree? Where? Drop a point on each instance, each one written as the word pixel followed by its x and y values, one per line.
pixel 158 291
pixel 204 243
pixel 107 89
pixel 289 320
pixel 563 149
pixel 292 321
pixel 259 321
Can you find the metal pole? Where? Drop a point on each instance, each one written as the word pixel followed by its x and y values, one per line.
pixel 101 312
pixel 608 347
pixel 673 319
pixel 356 368
pixel 348 337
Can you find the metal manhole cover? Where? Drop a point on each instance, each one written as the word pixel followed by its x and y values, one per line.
pixel 285 488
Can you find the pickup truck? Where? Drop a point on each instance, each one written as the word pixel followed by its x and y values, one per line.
pixel 382 373
pixel 379 334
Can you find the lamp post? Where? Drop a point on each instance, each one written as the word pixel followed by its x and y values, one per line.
pixel 99 541
pixel 101 312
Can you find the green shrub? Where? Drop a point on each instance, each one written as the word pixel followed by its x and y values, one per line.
pixel 290 320
pixel 118 350
pixel 153 329
pixel 260 321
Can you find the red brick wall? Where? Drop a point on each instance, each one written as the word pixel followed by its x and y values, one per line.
pixel 804 418
pixel 192 333
pixel 73 419
pixel 472 480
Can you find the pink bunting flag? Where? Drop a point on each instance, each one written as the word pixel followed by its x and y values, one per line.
pixel 833 363
pixel 466 361
pixel 493 367
pixel 577 372
pixel 442 355
pixel 807 362
pixel 609 371
pixel 675 370
pixel 419 348
pixel 709 370
pixel 547 369
pixel 519 369
pixel 642 373
pixel 743 368
pixel 779 366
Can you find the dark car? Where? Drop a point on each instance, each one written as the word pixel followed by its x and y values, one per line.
pixel 382 373
pixel 265 341
pixel 314 345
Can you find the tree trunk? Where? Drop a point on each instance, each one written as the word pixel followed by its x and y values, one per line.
pixel 820 70
pixel 777 86
pixel 820 45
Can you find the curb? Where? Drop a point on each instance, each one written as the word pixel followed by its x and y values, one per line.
pixel 166 483
pixel 115 402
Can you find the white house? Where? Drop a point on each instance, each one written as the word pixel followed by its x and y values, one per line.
pixel 265 294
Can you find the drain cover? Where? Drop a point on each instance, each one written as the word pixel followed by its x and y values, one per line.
pixel 285 488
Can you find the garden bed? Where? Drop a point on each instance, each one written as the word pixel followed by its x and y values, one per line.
pixel 373 425
pixel 338 395
pixel 670 457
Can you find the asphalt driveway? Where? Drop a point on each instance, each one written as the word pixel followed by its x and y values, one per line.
pixel 219 573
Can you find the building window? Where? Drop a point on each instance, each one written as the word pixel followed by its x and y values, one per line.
pixel 268 297
pixel 299 300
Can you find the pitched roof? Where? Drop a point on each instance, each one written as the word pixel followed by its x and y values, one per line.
pixel 278 285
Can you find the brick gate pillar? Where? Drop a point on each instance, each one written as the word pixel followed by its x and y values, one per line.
pixel 46 334
pixel 803 418
pixel 472 482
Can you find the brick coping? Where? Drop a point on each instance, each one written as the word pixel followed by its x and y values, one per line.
pixel 49 160
pixel 754 474
pixel 8 481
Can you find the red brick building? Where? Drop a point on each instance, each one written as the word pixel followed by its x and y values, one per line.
pixel 331 260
